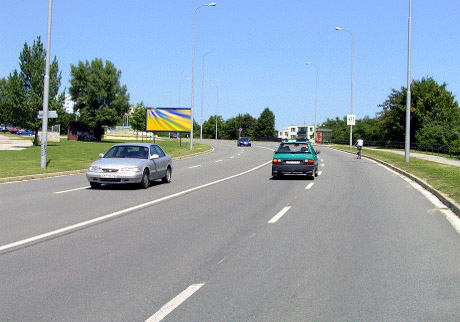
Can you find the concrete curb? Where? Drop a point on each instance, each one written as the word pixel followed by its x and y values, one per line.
pixel 451 204
pixel 74 172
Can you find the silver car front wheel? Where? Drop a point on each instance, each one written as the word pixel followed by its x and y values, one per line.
pixel 145 182
pixel 167 177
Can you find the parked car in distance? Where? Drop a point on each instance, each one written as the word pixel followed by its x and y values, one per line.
pixel 25 132
pixel 137 163
pixel 295 158
pixel 11 130
pixel 243 141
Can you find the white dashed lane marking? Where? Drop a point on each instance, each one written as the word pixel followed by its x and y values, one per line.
pixel 174 303
pixel 279 215
pixel 309 186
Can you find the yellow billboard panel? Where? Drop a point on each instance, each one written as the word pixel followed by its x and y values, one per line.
pixel 165 119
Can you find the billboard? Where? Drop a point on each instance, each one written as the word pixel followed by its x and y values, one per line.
pixel 168 119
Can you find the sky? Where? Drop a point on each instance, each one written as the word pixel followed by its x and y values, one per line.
pixel 259 51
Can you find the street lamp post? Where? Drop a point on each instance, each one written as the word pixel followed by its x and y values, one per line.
pixel 217 108
pixel 193 72
pixel 316 100
pixel 46 82
pixel 351 108
pixel 408 99
pixel 183 79
pixel 202 95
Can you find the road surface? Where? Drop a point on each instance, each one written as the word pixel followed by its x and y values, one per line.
pixel 225 242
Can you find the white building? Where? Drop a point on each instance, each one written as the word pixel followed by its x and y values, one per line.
pixel 293 131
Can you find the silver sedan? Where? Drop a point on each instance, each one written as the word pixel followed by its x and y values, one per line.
pixel 131 163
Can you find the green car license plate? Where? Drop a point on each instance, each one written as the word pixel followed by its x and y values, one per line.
pixel 292 162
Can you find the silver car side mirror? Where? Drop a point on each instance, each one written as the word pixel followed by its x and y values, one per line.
pixel 101 155
pixel 154 156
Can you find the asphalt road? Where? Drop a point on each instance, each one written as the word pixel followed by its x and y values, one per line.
pixel 358 243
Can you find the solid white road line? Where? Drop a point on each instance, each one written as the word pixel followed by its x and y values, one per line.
pixel 122 212
pixel 70 190
pixel 174 303
pixel 195 166
pixel 279 215
pixel 309 186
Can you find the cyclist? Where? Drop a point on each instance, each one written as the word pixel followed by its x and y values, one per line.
pixel 359 146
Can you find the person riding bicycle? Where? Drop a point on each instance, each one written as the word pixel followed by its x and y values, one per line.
pixel 359 146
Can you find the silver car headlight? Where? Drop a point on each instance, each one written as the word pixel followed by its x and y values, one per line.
pixel 95 168
pixel 130 169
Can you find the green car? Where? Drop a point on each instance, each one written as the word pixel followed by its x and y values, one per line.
pixel 294 158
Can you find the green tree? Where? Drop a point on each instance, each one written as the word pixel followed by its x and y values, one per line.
pixel 265 125
pixel 138 118
pixel 98 95
pixel 340 129
pixel 4 110
pixel 367 128
pixel 430 102
pixel 196 129
pixel 244 121
pixel 23 97
pixel 209 127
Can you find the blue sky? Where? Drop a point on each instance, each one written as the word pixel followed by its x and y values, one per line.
pixel 259 49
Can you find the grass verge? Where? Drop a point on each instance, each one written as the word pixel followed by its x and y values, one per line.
pixel 444 178
pixel 75 155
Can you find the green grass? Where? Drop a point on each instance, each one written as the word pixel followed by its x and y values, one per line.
pixel 75 155
pixel 444 178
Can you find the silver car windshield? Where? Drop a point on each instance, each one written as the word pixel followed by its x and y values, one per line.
pixel 128 151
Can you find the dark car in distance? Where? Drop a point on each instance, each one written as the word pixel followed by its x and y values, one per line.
pixel 243 141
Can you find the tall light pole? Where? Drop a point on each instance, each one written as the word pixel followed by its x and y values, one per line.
pixel 351 108
pixel 316 100
pixel 170 97
pixel 183 79
pixel 217 108
pixel 408 99
pixel 193 71
pixel 44 141
pixel 202 95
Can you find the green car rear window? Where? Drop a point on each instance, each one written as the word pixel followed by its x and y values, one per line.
pixel 293 148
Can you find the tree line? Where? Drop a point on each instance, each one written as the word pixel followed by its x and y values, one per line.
pixel 100 100
pixel 435 117
pixel 262 127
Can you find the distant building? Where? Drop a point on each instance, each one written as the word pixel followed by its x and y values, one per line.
pixel 282 134
pixel 295 131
